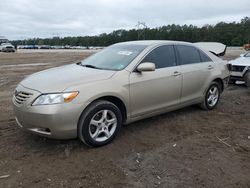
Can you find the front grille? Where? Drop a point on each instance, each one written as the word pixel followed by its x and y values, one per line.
pixel 238 68
pixel 21 97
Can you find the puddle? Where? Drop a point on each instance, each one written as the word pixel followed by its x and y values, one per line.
pixel 24 65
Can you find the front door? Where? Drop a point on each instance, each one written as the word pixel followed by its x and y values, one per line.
pixel 156 90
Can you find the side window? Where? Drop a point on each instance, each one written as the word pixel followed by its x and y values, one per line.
pixel 204 57
pixel 163 56
pixel 188 55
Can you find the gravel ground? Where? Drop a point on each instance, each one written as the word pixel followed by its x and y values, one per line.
pixel 185 148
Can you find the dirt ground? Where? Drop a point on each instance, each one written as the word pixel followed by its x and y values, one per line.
pixel 184 148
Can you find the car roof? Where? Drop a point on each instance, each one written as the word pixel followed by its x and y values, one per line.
pixel 153 42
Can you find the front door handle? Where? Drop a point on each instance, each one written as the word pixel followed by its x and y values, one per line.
pixel 176 73
pixel 210 67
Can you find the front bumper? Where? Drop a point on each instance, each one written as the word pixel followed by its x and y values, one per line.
pixel 54 121
pixel 239 76
pixel 236 78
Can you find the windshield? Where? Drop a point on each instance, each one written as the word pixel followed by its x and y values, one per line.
pixel 115 57
pixel 247 54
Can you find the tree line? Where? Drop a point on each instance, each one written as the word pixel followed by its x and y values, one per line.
pixel 231 34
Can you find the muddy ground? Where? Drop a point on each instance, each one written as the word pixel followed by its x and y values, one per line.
pixel 185 148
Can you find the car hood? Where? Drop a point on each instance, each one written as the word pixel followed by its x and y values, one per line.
pixel 60 78
pixel 241 61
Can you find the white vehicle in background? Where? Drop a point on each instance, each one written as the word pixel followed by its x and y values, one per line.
pixel 240 69
pixel 7 47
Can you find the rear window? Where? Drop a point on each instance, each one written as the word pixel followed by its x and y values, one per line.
pixel 188 55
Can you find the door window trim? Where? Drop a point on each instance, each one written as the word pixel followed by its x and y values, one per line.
pixel 200 51
pixel 160 45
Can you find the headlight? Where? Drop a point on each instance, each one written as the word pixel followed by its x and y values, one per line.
pixel 55 98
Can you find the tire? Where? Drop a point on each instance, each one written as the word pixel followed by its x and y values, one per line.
pixel 107 121
pixel 247 79
pixel 214 90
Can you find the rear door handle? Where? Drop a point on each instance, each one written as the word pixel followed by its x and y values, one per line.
pixel 210 67
pixel 176 73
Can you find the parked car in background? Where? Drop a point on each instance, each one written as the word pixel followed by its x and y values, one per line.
pixel 121 84
pixel 240 69
pixel 45 47
pixel 78 47
pixel 57 47
pixel 31 47
pixel 7 47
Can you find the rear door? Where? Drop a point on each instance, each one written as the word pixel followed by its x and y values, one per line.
pixel 196 68
pixel 153 91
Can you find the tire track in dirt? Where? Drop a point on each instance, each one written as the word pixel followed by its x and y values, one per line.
pixel 8 127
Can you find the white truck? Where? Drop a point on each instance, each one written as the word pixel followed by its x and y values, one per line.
pixel 240 69
pixel 7 47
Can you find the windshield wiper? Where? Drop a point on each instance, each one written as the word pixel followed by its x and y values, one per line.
pixel 94 67
pixel 88 66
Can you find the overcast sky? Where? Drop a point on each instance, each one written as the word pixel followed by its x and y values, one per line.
pixel 21 19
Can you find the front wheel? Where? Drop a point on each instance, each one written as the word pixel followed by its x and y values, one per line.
pixel 212 96
pixel 99 123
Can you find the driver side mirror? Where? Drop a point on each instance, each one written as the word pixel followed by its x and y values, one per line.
pixel 146 67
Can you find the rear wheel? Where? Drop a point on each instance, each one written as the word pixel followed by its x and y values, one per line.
pixel 212 96
pixel 99 123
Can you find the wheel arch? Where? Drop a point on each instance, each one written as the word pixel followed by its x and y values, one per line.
pixel 118 102
pixel 113 99
pixel 219 81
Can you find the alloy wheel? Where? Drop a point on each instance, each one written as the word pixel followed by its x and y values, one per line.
pixel 213 96
pixel 102 125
